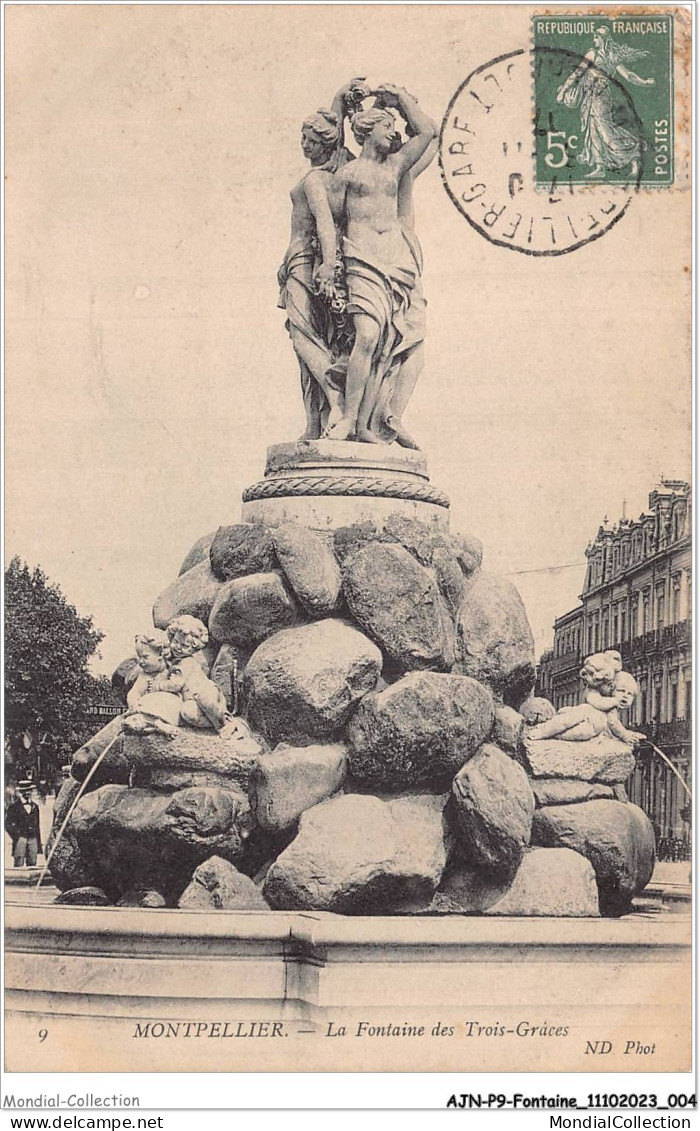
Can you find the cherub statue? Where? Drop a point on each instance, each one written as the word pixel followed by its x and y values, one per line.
pixel 625 693
pixel 609 689
pixel 153 673
pixel 203 704
pixel 152 706
pixel 173 690
pixel 600 670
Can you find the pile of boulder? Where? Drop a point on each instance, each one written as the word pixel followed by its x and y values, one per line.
pixel 382 764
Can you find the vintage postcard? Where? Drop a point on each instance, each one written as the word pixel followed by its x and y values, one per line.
pixel 348 539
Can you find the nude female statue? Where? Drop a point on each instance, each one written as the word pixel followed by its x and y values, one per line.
pixel 380 262
pixel 307 274
pixel 391 409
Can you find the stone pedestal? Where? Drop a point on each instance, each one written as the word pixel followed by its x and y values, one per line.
pixel 325 484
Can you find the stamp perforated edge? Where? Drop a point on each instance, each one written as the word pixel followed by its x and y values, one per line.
pixel 680 181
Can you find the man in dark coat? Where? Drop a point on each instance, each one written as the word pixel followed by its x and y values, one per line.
pixel 22 826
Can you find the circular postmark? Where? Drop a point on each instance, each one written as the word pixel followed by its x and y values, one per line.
pixel 488 148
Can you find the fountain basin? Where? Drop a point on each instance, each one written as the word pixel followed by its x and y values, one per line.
pixel 116 989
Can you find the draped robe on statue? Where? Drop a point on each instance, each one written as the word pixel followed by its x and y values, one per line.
pixel 391 294
pixel 308 313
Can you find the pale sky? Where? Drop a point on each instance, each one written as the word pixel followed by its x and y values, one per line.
pixel 150 153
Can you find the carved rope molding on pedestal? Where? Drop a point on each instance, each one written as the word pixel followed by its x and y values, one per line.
pixel 345 485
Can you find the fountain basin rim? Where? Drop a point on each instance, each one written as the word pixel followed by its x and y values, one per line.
pixel 48 927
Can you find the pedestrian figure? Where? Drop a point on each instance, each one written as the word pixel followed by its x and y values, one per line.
pixel 22 826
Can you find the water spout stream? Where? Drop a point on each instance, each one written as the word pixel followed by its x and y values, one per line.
pixel 72 806
pixel 671 766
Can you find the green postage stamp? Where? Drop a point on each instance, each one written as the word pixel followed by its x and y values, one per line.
pixel 603 90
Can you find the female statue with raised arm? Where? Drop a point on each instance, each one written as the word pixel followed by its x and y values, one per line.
pixel 390 409
pixel 380 261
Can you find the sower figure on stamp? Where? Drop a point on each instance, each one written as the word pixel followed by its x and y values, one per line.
pixel 307 273
pixel 380 262
pixel 607 144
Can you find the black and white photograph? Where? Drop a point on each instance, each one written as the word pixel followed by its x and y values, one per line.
pixel 348 547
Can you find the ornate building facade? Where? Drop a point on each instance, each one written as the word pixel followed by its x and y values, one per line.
pixel 637 598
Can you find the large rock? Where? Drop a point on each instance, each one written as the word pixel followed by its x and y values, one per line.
pixel 493 809
pixel 398 603
pixel 87 896
pixel 507 727
pixel 451 582
pixel 249 609
pixel 224 674
pixel 293 779
pixel 194 594
pixel 347 540
pixel 64 799
pixel 604 759
pixel 241 549
pixel 615 836
pixel 140 838
pixel 551 881
pixel 469 552
pixel 310 568
pixel 106 745
pixel 494 641
pixel 142 897
pixel 198 553
pixel 535 710
pixel 426 840
pixel 568 791
pixel 467 891
pixel 304 682
pixel 69 867
pixel 357 854
pixel 431 547
pixel 421 540
pixel 418 731
pixel 217 886
pixel 156 760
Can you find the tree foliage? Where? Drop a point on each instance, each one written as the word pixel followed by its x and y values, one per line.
pixel 48 686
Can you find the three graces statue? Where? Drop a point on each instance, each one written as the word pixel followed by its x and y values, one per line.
pixel 350 282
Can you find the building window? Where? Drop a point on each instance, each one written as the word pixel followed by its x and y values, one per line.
pixel 645 613
pixel 660 608
pixel 656 710
pixel 676 607
pixel 689 701
pixel 672 701
pixel 616 626
pixel 623 624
